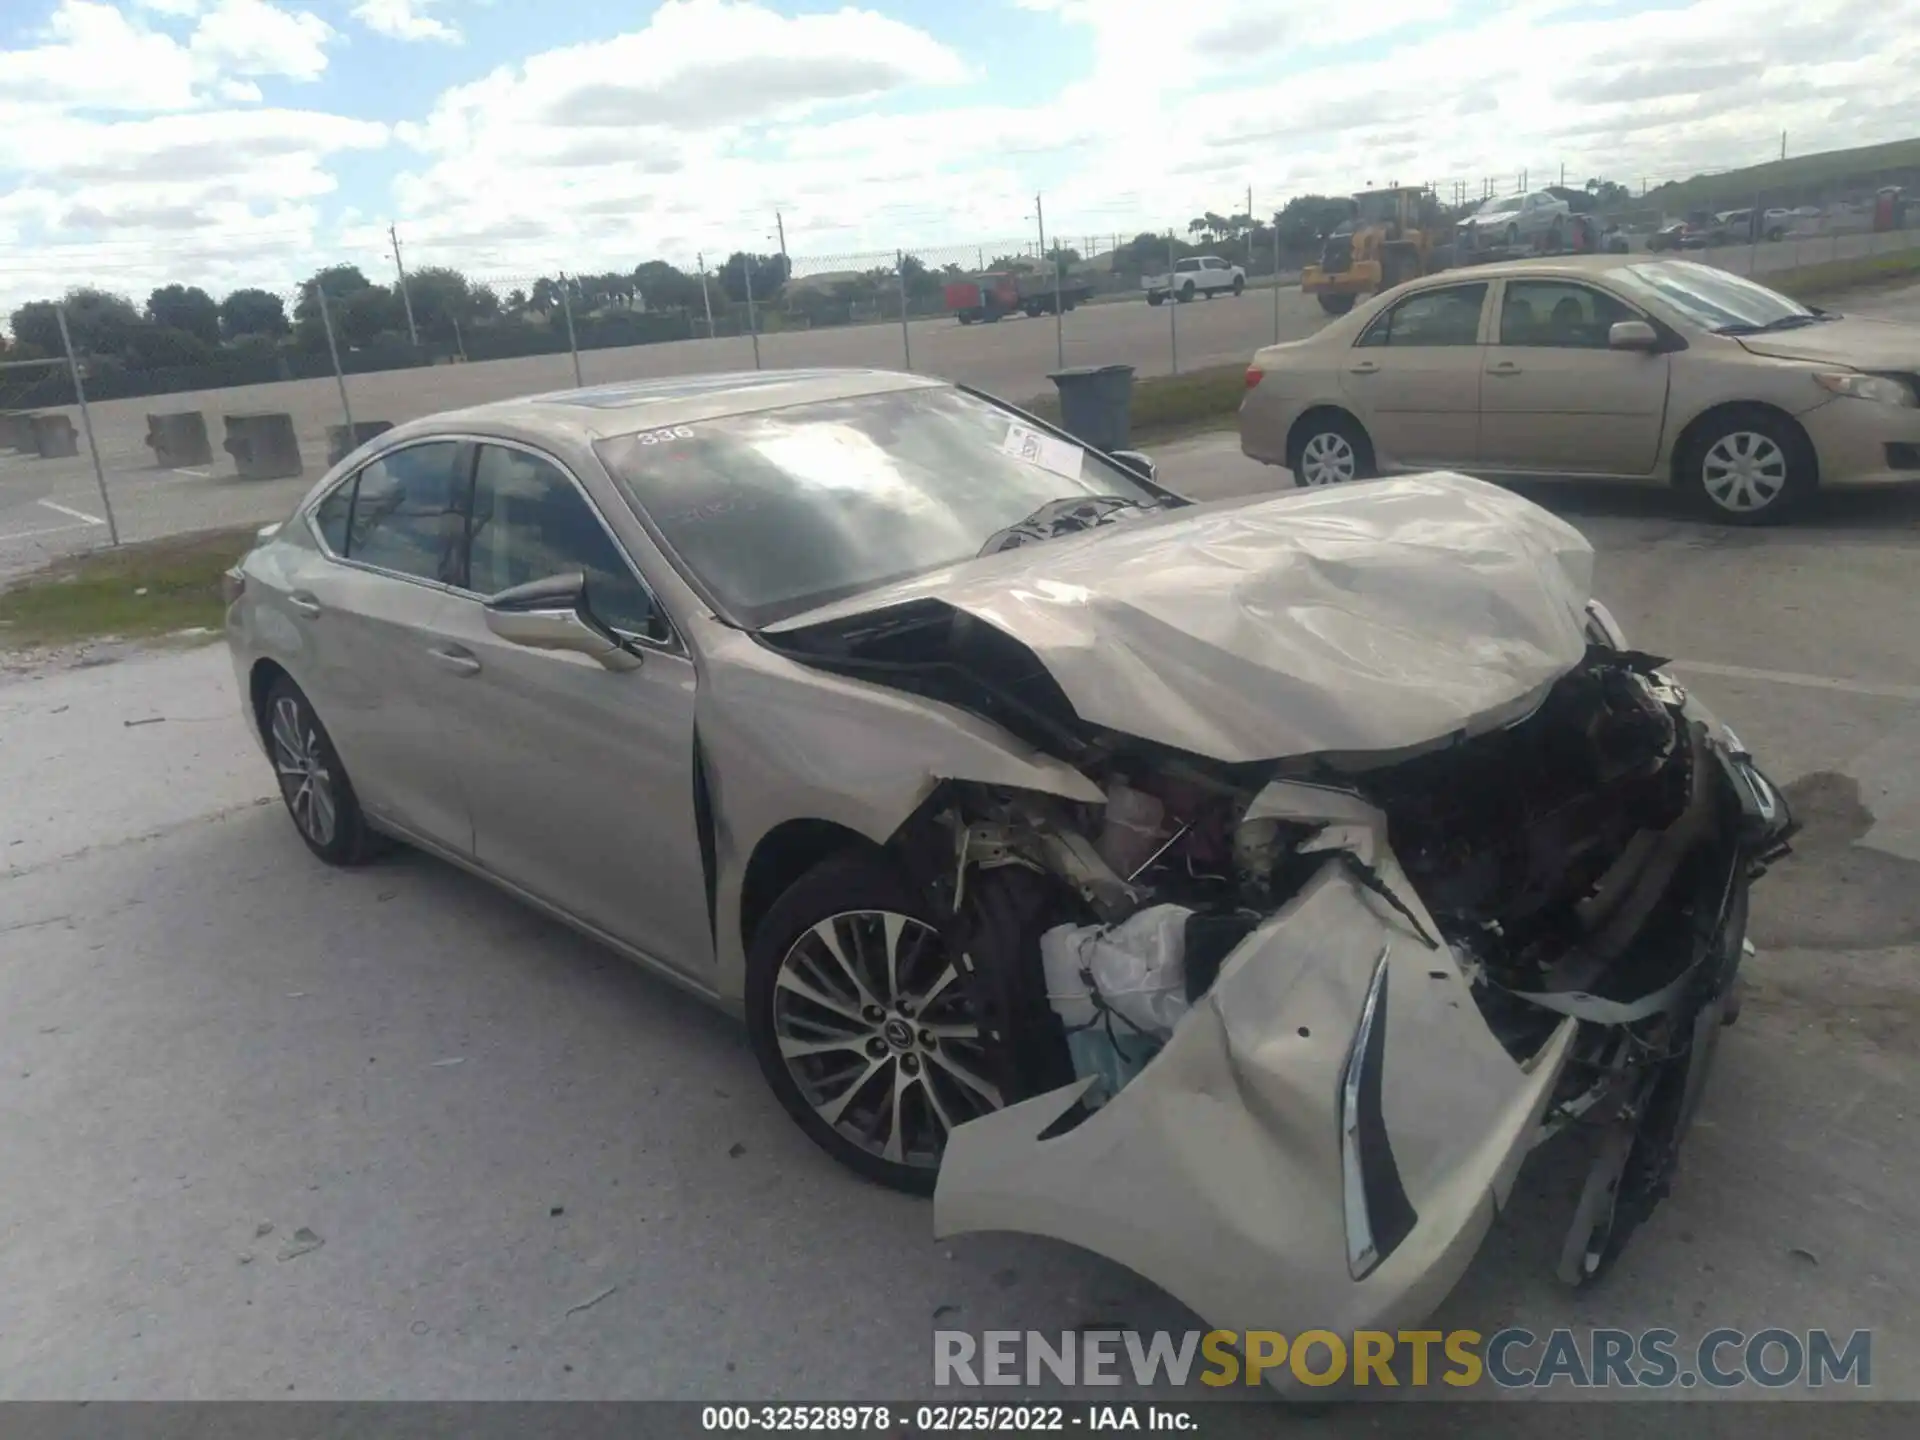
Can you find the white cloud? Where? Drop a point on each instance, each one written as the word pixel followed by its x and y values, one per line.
pixel 405 20
pixel 251 37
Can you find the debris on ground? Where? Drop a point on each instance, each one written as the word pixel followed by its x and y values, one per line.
pixel 589 1304
pixel 303 1242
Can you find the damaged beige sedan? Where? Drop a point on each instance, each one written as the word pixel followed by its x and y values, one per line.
pixel 1238 890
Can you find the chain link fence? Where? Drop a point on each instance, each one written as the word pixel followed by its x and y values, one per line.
pixel 120 424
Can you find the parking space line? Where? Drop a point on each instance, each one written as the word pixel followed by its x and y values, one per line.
pixel 188 470
pixel 1810 682
pixel 69 510
pixel 48 530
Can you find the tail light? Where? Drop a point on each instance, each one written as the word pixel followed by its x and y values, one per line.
pixel 1254 376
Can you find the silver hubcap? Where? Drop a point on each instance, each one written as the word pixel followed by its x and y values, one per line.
pixel 304 778
pixel 879 1036
pixel 1328 459
pixel 1744 471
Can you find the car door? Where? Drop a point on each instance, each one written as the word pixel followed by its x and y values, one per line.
pixel 1413 376
pixel 581 778
pixel 1556 398
pixel 367 613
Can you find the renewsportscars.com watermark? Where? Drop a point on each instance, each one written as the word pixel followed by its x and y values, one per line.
pixel 1509 1359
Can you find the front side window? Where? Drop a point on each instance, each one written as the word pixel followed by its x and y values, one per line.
pixel 332 515
pixel 1449 316
pixel 775 512
pixel 1557 314
pixel 530 522
pixel 407 514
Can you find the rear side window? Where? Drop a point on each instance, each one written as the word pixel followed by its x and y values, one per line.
pixel 1449 316
pixel 408 514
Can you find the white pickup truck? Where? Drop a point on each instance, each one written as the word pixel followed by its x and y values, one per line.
pixel 1206 275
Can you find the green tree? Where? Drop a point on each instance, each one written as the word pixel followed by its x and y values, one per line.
pixel 660 286
pixel 770 274
pixel 101 322
pixel 188 308
pixel 360 310
pixel 1306 220
pixel 156 347
pixel 36 323
pixel 442 300
pixel 253 312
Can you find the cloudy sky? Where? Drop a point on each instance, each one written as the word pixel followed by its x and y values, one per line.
pixel 246 141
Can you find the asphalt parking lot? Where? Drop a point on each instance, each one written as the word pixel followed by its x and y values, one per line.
pixel 278 1131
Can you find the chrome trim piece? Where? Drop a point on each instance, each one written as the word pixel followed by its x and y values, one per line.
pixel 1362 1253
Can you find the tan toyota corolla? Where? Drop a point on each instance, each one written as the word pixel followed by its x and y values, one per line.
pixel 1601 367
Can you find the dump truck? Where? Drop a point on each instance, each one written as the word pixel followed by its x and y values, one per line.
pixel 987 297
pixel 1387 241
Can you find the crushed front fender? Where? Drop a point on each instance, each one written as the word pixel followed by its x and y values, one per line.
pixel 1322 1143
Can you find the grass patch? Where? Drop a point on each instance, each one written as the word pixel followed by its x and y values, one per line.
pixel 1811 282
pixel 151 588
pixel 1168 406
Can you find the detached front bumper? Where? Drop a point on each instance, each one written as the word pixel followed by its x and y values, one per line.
pixel 1322 1143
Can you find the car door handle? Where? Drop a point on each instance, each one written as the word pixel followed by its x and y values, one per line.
pixel 1505 367
pixel 1365 367
pixel 302 603
pixel 460 662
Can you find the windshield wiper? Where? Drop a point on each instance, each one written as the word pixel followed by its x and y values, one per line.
pixel 1782 322
pixel 1060 517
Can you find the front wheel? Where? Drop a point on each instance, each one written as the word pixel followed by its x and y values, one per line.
pixel 1749 467
pixel 1186 294
pixel 313 783
pixel 1154 297
pixel 1513 237
pixel 863 1023
pixel 1332 451
pixel 1239 285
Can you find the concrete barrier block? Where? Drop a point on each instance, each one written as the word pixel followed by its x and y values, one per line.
pixel 54 437
pixel 16 431
pixel 343 440
pixel 263 445
pixel 179 438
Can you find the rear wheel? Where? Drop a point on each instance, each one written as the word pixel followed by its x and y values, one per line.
pixel 1748 467
pixel 1557 236
pixel 863 1023
pixel 1513 237
pixel 1186 293
pixel 1335 304
pixel 1331 449
pixel 1154 297
pixel 313 783
pixel 1239 285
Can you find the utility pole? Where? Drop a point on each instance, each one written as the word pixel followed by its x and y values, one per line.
pixel 1040 217
pixel 780 226
pixel 413 335
pixel 1783 144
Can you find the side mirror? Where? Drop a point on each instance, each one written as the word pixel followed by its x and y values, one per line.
pixel 1139 462
pixel 552 614
pixel 1633 335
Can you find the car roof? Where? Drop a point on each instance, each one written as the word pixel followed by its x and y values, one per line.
pixel 1561 265
pixel 596 412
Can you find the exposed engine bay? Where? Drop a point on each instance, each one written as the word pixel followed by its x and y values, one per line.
pixel 1587 863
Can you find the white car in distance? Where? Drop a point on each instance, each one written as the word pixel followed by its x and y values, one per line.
pixel 1206 275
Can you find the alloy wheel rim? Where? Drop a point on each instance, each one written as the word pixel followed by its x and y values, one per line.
pixel 1744 472
pixel 1328 459
pixel 879 1036
pixel 305 781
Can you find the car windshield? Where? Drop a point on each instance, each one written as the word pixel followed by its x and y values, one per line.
pixel 1501 207
pixel 1712 299
pixel 776 512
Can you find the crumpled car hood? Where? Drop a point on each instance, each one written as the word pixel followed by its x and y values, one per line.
pixel 1373 617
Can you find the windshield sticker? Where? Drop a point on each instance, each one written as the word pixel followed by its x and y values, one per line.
pixel 1062 457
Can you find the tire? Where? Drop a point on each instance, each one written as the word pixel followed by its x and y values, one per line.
pixel 1557 237
pixel 841 1096
pixel 1513 237
pixel 1239 286
pixel 1033 312
pixel 1316 455
pixel 319 797
pixel 965 319
pixel 1186 293
pixel 1154 297
pixel 1748 466
pixel 1336 304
